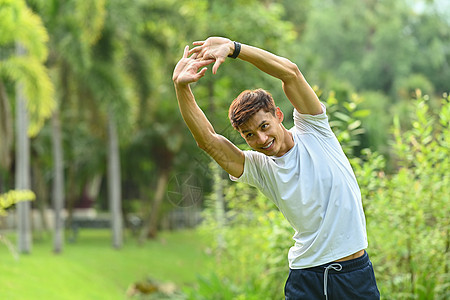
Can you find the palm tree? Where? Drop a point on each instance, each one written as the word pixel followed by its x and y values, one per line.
pixel 114 182
pixel 86 53
pixel 107 86
pixel 22 166
pixel 71 37
pixel 6 128
pixel 34 93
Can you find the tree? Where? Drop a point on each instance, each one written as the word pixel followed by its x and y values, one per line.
pixel 107 82
pixel 58 183
pixel 71 37
pixel 22 167
pixel 23 30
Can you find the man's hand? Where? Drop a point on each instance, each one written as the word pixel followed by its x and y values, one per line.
pixel 215 48
pixel 186 71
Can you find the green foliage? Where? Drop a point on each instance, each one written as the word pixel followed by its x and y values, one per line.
pixel 7 200
pixel 250 249
pixel 406 87
pixel 412 206
pixel 345 121
pixel 19 25
pixel 91 15
pixel 374 44
pixel 12 197
pixel 378 122
pixel 119 55
pixel 37 86
pixel 212 287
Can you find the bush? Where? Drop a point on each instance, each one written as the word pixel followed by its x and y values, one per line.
pixel 407 218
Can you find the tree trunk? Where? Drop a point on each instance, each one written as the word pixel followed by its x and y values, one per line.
pixel 114 184
pixel 39 186
pixel 6 129
pixel 22 167
pixel 218 181
pixel 150 229
pixel 58 183
pixel 219 204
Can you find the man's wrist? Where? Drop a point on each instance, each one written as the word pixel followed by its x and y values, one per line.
pixel 180 85
pixel 231 46
pixel 235 50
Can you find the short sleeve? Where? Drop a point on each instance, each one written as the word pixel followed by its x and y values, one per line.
pixel 254 166
pixel 305 123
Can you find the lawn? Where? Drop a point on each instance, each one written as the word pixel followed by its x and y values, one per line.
pixel 91 269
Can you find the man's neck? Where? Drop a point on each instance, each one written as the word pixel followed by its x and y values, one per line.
pixel 288 142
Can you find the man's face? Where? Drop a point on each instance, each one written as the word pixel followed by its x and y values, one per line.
pixel 265 133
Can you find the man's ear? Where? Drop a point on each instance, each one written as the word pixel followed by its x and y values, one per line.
pixel 279 114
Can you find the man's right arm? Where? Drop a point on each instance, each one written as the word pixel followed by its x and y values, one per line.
pixel 225 153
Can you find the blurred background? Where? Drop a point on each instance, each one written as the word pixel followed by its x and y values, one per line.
pixel 104 193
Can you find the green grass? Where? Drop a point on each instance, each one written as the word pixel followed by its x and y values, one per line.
pixel 92 269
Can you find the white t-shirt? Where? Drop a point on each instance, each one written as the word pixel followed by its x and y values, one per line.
pixel 315 188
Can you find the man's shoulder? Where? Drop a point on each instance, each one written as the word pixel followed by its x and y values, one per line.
pixel 315 124
pixel 254 155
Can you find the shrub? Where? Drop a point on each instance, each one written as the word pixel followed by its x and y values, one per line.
pixel 408 217
pixel 406 211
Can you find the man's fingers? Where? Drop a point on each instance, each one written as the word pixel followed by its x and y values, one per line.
pixel 186 52
pixel 203 63
pixel 195 50
pixel 198 43
pixel 202 72
pixel 217 64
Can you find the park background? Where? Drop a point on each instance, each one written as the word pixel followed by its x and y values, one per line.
pixel 89 123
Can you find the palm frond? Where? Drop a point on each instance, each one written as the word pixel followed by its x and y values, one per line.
pixel 91 15
pixel 20 24
pixel 38 87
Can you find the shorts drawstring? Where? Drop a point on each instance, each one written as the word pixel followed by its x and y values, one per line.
pixel 334 266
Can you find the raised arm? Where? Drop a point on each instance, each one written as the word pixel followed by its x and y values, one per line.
pixel 227 155
pixel 295 86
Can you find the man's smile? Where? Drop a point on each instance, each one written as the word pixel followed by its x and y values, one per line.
pixel 268 145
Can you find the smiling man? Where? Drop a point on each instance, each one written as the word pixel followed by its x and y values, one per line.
pixel 303 170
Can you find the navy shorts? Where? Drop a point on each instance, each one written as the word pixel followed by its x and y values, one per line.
pixel 352 279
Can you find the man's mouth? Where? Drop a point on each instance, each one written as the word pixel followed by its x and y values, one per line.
pixel 268 145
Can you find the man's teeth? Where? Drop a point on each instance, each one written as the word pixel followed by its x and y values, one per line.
pixel 270 144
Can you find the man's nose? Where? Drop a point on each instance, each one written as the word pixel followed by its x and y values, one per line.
pixel 262 138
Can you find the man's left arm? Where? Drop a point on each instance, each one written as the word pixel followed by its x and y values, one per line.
pixel 295 86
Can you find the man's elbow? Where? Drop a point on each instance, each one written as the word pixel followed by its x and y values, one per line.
pixel 205 144
pixel 202 145
pixel 292 72
pixel 209 145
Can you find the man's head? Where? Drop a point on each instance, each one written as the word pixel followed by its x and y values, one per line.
pixel 259 121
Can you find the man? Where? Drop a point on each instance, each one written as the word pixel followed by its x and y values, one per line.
pixel 303 170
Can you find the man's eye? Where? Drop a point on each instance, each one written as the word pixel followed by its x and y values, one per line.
pixel 264 126
pixel 249 135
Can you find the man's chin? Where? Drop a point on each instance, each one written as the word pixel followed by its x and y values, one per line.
pixel 265 152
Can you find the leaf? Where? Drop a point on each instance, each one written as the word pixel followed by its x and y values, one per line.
pixel 354 125
pixel 360 114
pixel 38 88
pixel 335 123
pixel 342 116
pixel 358 131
